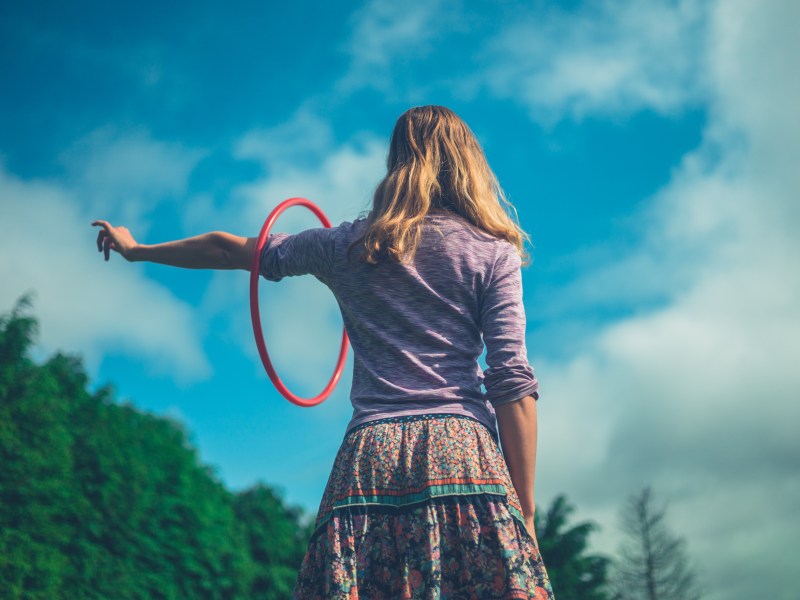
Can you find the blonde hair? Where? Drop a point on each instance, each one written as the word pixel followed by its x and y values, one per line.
pixel 434 163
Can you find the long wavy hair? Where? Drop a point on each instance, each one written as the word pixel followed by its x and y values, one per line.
pixel 435 164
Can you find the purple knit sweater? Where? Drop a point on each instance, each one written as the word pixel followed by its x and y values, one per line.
pixel 418 330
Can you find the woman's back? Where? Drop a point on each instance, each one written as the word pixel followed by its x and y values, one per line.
pixel 416 329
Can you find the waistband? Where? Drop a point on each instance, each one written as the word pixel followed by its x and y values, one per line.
pixel 422 417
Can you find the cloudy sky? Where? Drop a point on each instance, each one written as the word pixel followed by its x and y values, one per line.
pixel 651 151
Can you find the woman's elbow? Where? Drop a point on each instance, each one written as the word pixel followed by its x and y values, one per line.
pixel 236 252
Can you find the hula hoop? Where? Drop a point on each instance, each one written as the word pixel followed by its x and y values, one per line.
pixel 255 313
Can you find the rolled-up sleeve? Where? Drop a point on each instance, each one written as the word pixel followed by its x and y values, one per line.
pixel 310 252
pixel 508 377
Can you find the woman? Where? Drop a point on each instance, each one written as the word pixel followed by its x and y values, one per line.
pixel 420 502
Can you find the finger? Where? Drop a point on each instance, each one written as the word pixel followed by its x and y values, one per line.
pixel 107 248
pixel 101 235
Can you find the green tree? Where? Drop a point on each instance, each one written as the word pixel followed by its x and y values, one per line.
pixel 652 563
pixel 158 523
pixel 574 574
pixel 101 500
pixel 276 541
pixel 36 465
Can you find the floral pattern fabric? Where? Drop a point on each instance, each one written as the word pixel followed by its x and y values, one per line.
pixel 421 507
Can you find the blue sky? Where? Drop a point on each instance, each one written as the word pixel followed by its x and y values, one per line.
pixel 648 147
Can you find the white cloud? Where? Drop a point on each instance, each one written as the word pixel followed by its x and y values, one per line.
pixel 699 396
pixel 388 35
pixel 602 58
pixel 300 159
pixel 125 175
pixel 47 246
pixel 302 139
pixel 300 316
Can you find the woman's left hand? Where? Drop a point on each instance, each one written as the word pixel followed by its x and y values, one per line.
pixel 531 529
pixel 118 239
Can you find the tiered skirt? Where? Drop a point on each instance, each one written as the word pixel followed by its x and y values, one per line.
pixel 421 507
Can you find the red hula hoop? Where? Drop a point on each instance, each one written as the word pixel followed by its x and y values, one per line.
pixel 255 313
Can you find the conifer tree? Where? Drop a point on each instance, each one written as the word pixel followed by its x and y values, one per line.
pixel 653 563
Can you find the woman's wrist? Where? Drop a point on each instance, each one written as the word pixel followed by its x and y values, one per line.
pixel 134 254
pixel 528 510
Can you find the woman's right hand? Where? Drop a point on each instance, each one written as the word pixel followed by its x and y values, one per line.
pixel 118 239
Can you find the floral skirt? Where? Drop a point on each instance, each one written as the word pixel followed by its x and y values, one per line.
pixel 421 507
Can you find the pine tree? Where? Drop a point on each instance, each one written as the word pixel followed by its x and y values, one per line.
pixel 652 564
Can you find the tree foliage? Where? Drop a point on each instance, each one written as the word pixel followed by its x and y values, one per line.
pixel 102 500
pixel 277 545
pixel 574 574
pixel 653 563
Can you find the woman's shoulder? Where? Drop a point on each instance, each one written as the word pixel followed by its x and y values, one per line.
pixel 460 237
pixel 348 229
pixel 469 233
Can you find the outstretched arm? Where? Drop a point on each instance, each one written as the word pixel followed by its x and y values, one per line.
pixel 214 250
